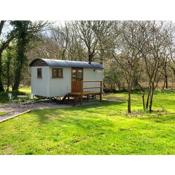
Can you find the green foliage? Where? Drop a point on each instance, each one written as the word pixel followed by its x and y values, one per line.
pixel 13 51
pixel 113 77
pixel 8 66
pixel 23 36
pixel 102 128
pixel 3 97
pixel 22 91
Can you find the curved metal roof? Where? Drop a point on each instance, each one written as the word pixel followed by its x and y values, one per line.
pixel 67 63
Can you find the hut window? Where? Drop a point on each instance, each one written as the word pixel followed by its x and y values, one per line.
pixel 39 73
pixel 57 73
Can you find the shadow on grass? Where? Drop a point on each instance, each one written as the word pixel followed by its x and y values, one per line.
pixel 163 118
pixel 60 114
pixel 106 103
pixel 103 107
pixel 57 120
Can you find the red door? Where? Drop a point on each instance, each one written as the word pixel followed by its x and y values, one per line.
pixel 77 78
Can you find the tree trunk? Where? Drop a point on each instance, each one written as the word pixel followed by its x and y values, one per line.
pixel 129 102
pixel 143 101
pixel 1 26
pixel 17 76
pixel 129 98
pixel 151 101
pixel 20 61
pixel 63 54
pixel 1 83
pixel 165 76
pixel 22 42
pixel 166 81
pixel 151 97
pixel 90 58
pixel 8 73
pixel 90 55
pixel 147 100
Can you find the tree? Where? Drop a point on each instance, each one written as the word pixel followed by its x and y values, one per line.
pixel 25 32
pixel 61 36
pixel 153 56
pixel 8 66
pixel 86 33
pixel 113 77
pixel 4 43
pixel 126 55
pixel 169 51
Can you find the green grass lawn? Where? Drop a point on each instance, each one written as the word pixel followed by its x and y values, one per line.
pixel 104 128
pixel 2 113
pixel 25 90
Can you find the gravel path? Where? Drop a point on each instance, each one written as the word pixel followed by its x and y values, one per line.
pixel 15 109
